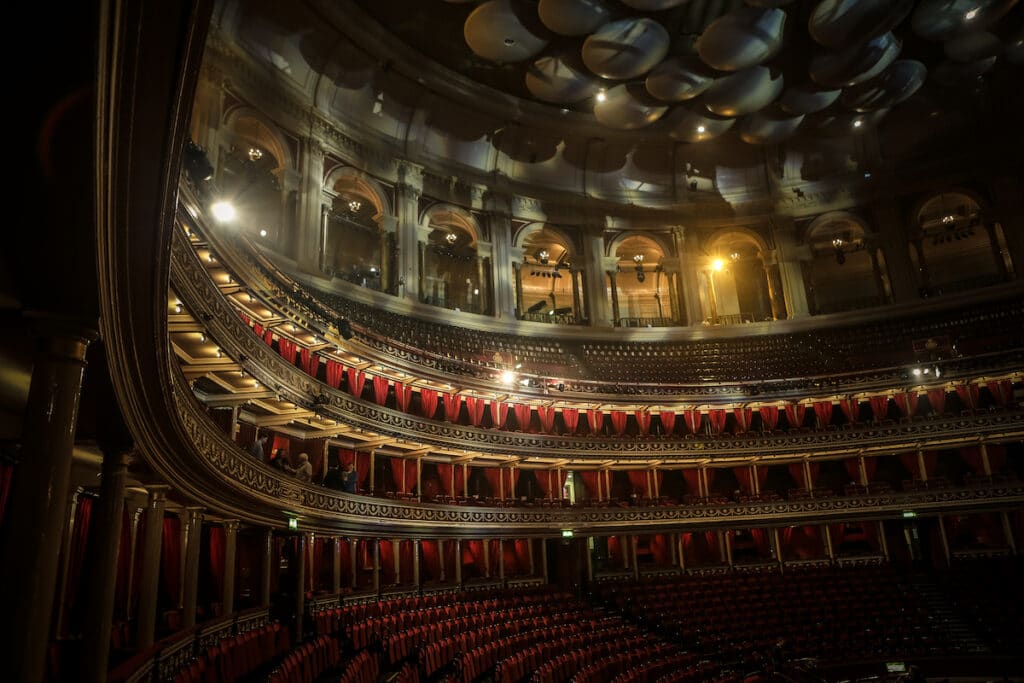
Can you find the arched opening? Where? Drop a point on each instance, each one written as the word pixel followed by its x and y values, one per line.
pixel 548 283
pixel 735 287
pixel 954 248
pixel 452 274
pixel 639 289
pixel 844 273
pixel 249 174
pixel 357 248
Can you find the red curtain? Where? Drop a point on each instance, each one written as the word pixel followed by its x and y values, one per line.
pixel 286 348
pixel 571 417
pixel 499 413
pixel 310 362
pixel 444 473
pixel 911 464
pixel 170 557
pixel 522 551
pixel 795 414
pixel 823 411
pixel 852 469
pixel 428 403
pixel 615 549
pixel 550 482
pixel 335 370
pixel 346 457
pixel 403 478
pixel 217 544
pixel 643 422
pixel 268 337
pixel 595 419
pixel 668 421
pixel 356 379
pixel 509 559
pixel 906 402
pixel 591 482
pixel 937 400
pixel 494 480
pixel 717 417
pixel 802 542
pixel 475 407
pixel 972 456
pixel 769 417
pixel 968 394
pixel 405 561
pixel 879 407
pixel 692 419
pixel 452 405
pixel 387 562
pixel 258 329
pixel 460 480
pixel 431 560
pixel 743 477
pixel 692 478
pixel 547 418
pixel 522 412
pixel 850 408
pixel 761 542
pixel 1002 391
pixel 796 470
pixel 317 565
pixel 80 533
pixel 380 390
pixel 870 465
pixel 362 469
pixel 996 458
pixel 403 395
pixel 638 480
pixel 660 552
pixel 618 422
pixel 743 417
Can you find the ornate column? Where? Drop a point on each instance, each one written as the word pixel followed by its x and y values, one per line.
pixel 529 550
pixel 308 232
pixel 590 562
pixel 614 286
pixel 883 543
pixel 336 566
pixel 680 553
pixel 863 470
pixel 790 255
pixel 922 469
pixel 499 222
pixel 893 240
pixel 65 555
pixel 1008 531
pixel 458 562
pixel 323 259
pixel 101 579
pixel 440 554
pixel 594 263
pixel 517 273
pixel 416 563
pixel 136 520
pixel 778 545
pixel 230 547
pixel 145 627
pixel 577 300
pixel 38 500
pixel 487 558
pixel 193 523
pixel 945 541
pixel 268 567
pixel 376 566
pixel 986 465
pixel 408 188
pixel 691 263
pixel 727 544
pixel 501 559
pixel 544 562
pixel 827 534
pixel 882 285
pixel 775 296
pixel 353 545
pixel 396 556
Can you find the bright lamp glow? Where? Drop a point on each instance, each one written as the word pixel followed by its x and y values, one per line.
pixel 718 264
pixel 223 211
pixel 507 377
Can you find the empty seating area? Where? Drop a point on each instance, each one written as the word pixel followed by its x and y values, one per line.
pixel 988 596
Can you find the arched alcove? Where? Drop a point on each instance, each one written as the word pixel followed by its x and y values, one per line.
pixel 735 286
pixel 453 274
pixel 548 281
pixel 639 293
pixel 357 248
pixel 843 275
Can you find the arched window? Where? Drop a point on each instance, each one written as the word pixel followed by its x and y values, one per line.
pixel 548 283
pixel 453 274
pixel 357 248
pixel 735 287
pixel 844 271
pixel 249 174
pixel 954 248
pixel 639 290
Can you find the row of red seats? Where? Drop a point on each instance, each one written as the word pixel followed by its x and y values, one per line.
pixel 653 669
pixel 307 662
pixel 484 657
pixel 363 668
pixel 237 656
pixel 564 666
pixel 609 667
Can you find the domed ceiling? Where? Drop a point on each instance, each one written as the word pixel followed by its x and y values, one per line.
pixel 763 70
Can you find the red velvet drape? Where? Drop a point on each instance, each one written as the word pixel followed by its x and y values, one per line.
pixel 428 403
pixel 618 422
pixel 595 420
pixel 444 474
pixel 823 411
pixel 852 467
pixel 910 463
pixel 906 401
pixel 387 562
pixel 802 542
pixel 795 413
pixel 268 337
pixel 310 362
pixel 692 478
pixel 335 371
pixel 692 419
pixel 638 481
pixel 571 417
pixel 668 421
pixel 495 481
pixel 170 557
pixel 996 458
pixel 761 542
pixel 403 475
pixel 405 561
pixel 643 422
pixel 452 406
pixel 356 380
pixel 217 545
pixel 660 549
pixel 362 469
pixel 743 477
pixel 80 534
pixel 743 417
pixel 431 560
pixel 717 418
pixel 1002 391
pixel 850 408
pixel 460 480
pixel 879 407
pixel 937 400
pixel 769 417
pixel 380 390
pixel 475 408
pixel 499 414
pixel 316 566
pixel 550 482
pixel 403 396
pixel 522 413
pixel 968 395
pixel 286 348
pixel 591 483
pixel 546 414
pixel 346 457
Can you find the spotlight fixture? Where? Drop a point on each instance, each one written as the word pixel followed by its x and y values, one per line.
pixel 178 308
pixel 255 154
pixel 639 258
pixel 451 237
pixel 735 256
pixel 543 256
pixel 701 129
pixel 508 377
pixel 223 211
pixel 601 95
pixel 717 265
pixel 857 123
pixel 263 232
pixel 971 13
pixel 355 205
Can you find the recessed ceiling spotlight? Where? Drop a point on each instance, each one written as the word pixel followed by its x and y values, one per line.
pixel 857 123
pixel 509 42
pixel 263 232
pixel 223 211
pixel 916 371
pixel 701 129
pixel 601 95
pixel 970 14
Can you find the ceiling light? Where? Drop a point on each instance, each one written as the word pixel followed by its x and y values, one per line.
pixel 970 14
pixel 255 154
pixel 178 307
pixel 451 237
pixel 718 264
pixel 735 256
pixel 916 371
pixel 263 232
pixel 701 129
pixel 355 205
pixel 639 258
pixel 601 95
pixel 223 211
pixel 837 242
pixel 857 123
pixel 219 353
pixel 202 337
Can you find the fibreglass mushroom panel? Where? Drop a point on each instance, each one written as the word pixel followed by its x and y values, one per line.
pixel 691 123
pixel 887 89
pixel 678 79
pixel 741 39
pixel 944 19
pixel 505 31
pixel 573 17
pixel 844 23
pixel 560 79
pixel 627 48
pixel 768 128
pixel 743 92
pixel 807 98
pixel 855 64
pixel 628 106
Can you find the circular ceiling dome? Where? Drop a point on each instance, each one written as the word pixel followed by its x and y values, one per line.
pixel 971 47
pixel 692 124
pixel 627 48
pixel 855 64
pixel 628 106
pixel 807 98
pixel 743 92
pixel 741 39
pixel 887 89
pixel 943 19
pixel 677 79
pixel 841 23
pixel 768 128
pixel 559 79
pixel 573 17
pixel 505 31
